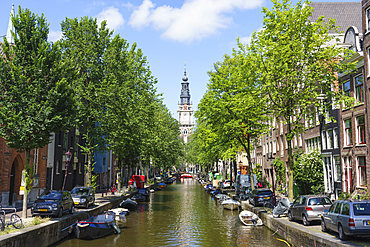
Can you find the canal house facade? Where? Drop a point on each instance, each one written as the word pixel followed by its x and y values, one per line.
pixel 326 132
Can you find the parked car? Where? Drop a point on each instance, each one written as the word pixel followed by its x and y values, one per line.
pixel 348 218
pixel 53 203
pixel 83 196
pixel 308 208
pixel 260 196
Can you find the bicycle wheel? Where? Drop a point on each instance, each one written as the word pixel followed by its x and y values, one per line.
pixel 16 221
pixel 268 206
pixel 2 225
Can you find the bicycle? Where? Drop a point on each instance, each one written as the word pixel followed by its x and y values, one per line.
pixel 269 206
pixel 14 221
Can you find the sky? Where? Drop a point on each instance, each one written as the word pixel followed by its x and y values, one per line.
pixel 171 33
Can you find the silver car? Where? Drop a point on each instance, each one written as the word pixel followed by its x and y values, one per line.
pixel 308 208
pixel 348 218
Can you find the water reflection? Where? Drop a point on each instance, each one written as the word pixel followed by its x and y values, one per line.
pixel 183 215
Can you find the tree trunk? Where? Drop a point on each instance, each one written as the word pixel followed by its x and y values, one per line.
pixel 235 170
pixel 25 195
pixel 231 170
pixel 290 165
pixel 89 169
pixel 250 162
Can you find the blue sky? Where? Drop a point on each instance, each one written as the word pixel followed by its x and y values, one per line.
pixel 169 32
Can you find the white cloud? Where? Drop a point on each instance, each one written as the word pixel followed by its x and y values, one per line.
pixel 141 16
pixel 195 20
pixel 54 35
pixel 113 17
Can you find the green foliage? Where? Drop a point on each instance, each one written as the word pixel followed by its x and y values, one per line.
pixel 36 96
pixel 298 67
pixel 38 99
pixel 343 195
pixel 280 171
pixel 309 172
pixel 257 170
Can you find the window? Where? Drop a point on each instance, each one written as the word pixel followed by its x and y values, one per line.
pixel 347 88
pixel 361 170
pixel 367 19
pixel 348 132
pixel 335 137
pixel 330 142
pixel 359 88
pixel 80 168
pixel 323 139
pixel 64 166
pixel 338 170
pixel 347 173
pixel 337 208
pixel 345 209
pixel 328 178
pixel 361 130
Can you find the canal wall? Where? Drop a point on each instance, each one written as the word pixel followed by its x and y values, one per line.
pixel 297 235
pixel 54 230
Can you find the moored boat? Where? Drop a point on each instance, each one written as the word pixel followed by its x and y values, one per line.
pixel 222 197
pixel 186 176
pixel 120 214
pixel 129 204
pixel 139 198
pixel 96 227
pixel 249 218
pixel 162 185
pixel 230 204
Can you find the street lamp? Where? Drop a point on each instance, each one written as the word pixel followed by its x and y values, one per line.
pixel 67 157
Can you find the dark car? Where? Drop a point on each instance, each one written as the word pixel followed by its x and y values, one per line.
pixel 260 196
pixel 53 203
pixel 348 218
pixel 308 208
pixel 83 196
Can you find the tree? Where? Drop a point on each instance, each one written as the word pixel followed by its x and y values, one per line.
pixel 36 98
pixel 84 44
pixel 233 106
pixel 297 67
pixel 308 172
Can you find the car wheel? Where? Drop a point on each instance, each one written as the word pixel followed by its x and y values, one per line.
pixel 341 233
pixel 323 226
pixel 305 221
pixel 60 213
pixel 290 216
pixel 72 210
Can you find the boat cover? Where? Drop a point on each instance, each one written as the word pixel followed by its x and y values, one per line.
pixel 282 207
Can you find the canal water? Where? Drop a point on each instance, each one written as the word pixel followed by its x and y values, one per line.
pixel 183 214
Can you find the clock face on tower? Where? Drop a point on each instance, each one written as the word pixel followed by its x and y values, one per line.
pixel 185 107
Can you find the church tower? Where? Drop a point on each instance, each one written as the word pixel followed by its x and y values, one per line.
pixel 185 110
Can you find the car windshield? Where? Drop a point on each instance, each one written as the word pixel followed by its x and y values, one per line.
pixel 264 192
pixel 361 208
pixel 51 196
pixel 80 191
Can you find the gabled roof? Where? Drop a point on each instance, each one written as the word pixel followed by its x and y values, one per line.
pixel 346 14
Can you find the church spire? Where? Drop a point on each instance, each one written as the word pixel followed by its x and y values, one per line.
pixel 9 35
pixel 185 92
